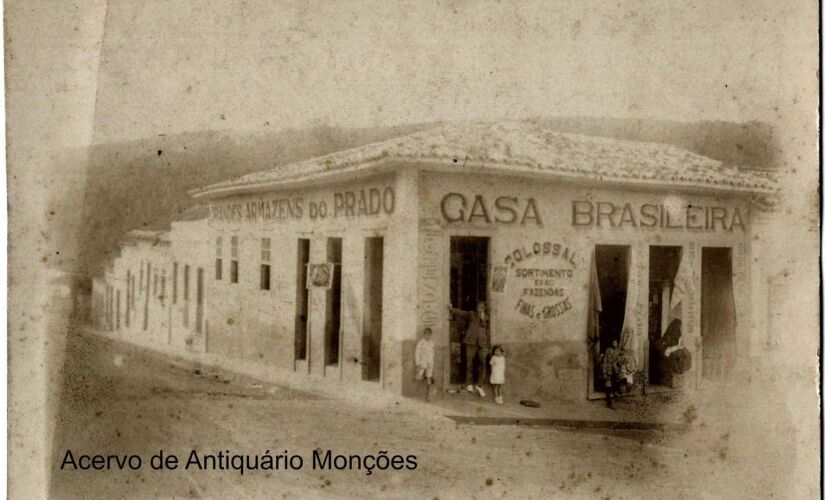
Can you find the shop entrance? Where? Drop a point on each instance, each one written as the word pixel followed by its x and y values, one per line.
pixel 718 314
pixel 373 308
pixel 332 328
pixel 199 301
pixel 117 310
pixel 664 312
pixel 301 299
pixel 612 265
pixel 468 287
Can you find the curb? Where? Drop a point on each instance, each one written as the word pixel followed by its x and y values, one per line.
pixel 570 423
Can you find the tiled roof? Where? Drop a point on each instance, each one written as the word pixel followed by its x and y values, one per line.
pixel 519 148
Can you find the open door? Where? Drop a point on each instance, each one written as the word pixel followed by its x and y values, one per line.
pixel 664 329
pixel 468 287
pixel 301 300
pixel 718 315
pixel 199 301
pixel 332 327
pixel 609 283
pixel 373 308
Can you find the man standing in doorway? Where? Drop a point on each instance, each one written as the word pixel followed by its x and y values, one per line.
pixel 476 345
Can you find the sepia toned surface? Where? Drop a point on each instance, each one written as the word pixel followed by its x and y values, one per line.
pixel 231 221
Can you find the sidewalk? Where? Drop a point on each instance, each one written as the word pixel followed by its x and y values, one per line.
pixel 652 412
pixel 671 412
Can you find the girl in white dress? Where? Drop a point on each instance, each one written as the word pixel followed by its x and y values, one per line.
pixel 497 372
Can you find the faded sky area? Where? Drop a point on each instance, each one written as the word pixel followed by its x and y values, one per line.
pixel 169 66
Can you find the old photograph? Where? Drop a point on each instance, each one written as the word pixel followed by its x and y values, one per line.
pixel 436 249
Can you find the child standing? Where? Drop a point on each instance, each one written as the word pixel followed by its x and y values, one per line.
pixel 424 360
pixel 497 372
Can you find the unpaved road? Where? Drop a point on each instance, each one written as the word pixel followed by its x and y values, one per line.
pixel 119 399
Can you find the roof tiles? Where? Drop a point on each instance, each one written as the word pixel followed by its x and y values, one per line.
pixel 520 147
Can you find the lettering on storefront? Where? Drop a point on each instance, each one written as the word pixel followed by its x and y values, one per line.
pixel 358 203
pixel 542 273
pixel 457 208
pixel 430 279
pixel 649 215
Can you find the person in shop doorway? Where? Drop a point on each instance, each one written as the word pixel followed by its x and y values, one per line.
pixel 610 372
pixel 424 361
pixel 618 367
pixel 476 345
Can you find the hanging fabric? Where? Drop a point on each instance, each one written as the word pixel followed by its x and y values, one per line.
pixel 594 309
pixel 629 343
pixel 681 284
pixel 627 364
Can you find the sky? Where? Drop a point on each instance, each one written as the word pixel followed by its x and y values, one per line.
pixel 170 66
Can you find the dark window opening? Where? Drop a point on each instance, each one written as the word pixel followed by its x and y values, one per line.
pixel 468 287
pixel 218 269
pixel 373 308
pixel 332 330
pixel 301 300
pixel 265 278
pixel 233 271
pixel 265 269
pixel 233 265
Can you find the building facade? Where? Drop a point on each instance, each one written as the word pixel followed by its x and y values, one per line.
pixel 332 267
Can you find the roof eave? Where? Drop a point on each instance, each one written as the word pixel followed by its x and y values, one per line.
pixel 366 168
pixel 388 164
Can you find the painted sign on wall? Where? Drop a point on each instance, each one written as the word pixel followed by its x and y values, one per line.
pixel 355 203
pixel 660 216
pixel 431 302
pixel 540 276
pixel 319 275
pixel 458 207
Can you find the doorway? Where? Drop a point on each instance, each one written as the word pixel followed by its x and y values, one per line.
pixel 301 299
pixel 373 308
pixel 663 329
pixel 612 268
pixel 468 286
pixel 718 314
pixel 199 301
pixel 332 328
pixel 147 296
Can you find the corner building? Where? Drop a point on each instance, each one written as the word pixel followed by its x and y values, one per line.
pixel 569 239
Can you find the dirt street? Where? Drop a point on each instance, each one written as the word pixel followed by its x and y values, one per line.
pixel 119 399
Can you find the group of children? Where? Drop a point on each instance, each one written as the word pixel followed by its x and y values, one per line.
pixel 618 366
pixel 425 360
